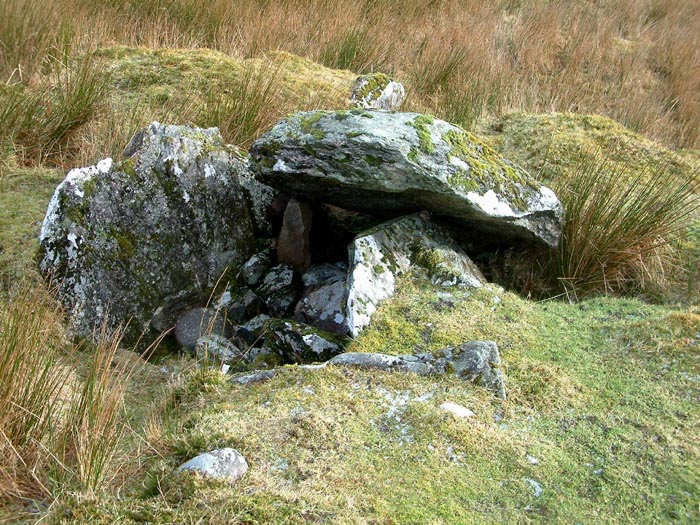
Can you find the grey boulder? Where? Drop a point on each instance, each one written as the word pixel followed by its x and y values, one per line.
pixel 478 362
pixel 389 163
pixel 121 237
pixel 323 303
pixel 377 91
pixel 386 362
pixel 224 463
pixel 198 322
pixel 280 290
pixel 378 257
pixel 217 347
pixel 299 343
pixel 322 274
pixel 254 269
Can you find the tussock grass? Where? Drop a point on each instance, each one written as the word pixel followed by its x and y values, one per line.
pixel 40 122
pixel 245 108
pixel 60 424
pixel 619 232
pixel 31 384
pixel 635 61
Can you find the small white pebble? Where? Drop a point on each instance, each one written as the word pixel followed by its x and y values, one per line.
pixel 457 410
pixel 532 460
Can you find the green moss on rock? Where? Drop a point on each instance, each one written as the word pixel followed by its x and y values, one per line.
pixel 487 169
pixel 421 123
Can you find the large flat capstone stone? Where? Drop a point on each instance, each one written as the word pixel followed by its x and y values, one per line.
pixel 390 163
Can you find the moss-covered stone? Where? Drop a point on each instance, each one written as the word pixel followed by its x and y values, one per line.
pixel 487 169
pixel 423 162
pixel 377 91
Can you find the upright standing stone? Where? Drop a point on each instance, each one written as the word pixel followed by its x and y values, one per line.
pixel 293 245
pixel 120 238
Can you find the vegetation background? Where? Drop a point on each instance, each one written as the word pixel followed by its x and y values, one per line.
pixel 78 77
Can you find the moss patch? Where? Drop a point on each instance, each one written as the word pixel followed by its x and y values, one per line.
pixel 602 415
pixel 487 169
pixel 24 195
pixel 549 144
pixel 421 123
pixel 307 125
pixel 373 86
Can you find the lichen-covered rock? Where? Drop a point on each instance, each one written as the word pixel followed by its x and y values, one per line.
pixel 299 343
pixel 121 237
pixel 388 163
pixel 380 255
pixel 322 274
pixel 386 362
pixel 165 316
pixel 225 463
pixel 280 290
pixel 245 306
pixel 259 198
pixel 378 91
pixel 254 269
pixel 218 347
pixel 478 362
pixel 323 306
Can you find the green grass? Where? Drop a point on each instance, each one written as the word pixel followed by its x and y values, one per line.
pixel 603 394
pixel 24 195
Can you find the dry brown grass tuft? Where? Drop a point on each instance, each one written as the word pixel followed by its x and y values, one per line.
pixel 633 60
pixel 60 424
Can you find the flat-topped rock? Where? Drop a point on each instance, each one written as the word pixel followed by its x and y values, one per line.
pixel 389 163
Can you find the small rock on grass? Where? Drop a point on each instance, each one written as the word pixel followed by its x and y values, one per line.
pixel 224 463
pixel 457 410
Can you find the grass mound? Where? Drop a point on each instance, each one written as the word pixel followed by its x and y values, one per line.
pixel 550 144
pixel 594 430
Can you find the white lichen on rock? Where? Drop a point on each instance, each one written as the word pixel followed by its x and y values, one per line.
pixel 119 237
pixel 378 91
pixel 379 256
